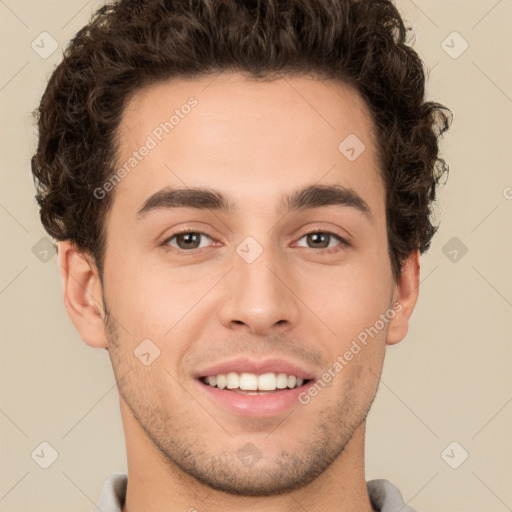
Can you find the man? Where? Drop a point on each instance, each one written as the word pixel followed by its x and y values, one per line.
pixel 191 157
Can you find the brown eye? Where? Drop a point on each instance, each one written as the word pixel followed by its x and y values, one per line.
pixel 323 240
pixel 186 240
pixel 319 240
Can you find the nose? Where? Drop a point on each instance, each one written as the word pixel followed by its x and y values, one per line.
pixel 259 296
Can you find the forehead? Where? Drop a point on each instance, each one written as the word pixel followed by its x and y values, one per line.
pixel 249 138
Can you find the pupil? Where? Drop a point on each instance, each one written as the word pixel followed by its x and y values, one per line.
pixel 316 236
pixel 188 237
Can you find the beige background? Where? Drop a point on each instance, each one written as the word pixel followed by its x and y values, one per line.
pixel 450 380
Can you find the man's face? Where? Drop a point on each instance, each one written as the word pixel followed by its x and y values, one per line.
pixel 251 290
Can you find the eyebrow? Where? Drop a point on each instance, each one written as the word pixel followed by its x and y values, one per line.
pixel 204 198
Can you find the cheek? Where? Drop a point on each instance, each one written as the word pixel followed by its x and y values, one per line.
pixel 145 301
pixel 157 312
pixel 353 299
pixel 353 308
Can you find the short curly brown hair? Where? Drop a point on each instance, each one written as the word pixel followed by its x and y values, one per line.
pixel 132 43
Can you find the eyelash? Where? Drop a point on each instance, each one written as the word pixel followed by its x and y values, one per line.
pixel 343 242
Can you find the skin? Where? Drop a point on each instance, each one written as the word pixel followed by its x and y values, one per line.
pixel 253 142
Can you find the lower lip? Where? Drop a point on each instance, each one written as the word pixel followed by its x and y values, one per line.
pixel 254 406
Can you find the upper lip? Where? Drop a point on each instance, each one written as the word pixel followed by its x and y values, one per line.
pixel 257 366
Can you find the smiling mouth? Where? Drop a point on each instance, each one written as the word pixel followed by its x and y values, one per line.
pixel 254 384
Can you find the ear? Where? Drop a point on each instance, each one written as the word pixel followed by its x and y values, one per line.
pixel 82 294
pixel 405 296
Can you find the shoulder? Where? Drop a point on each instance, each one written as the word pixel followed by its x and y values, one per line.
pixel 113 494
pixel 386 497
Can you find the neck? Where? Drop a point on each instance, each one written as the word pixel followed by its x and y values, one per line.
pixel 155 484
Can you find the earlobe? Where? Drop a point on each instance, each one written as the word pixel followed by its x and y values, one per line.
pixel 405 297
pixel 82 294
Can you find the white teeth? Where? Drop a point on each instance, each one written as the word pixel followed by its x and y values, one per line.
pixel 267 382
pixel 221 381
pixel 248 382
pixel 232 380
pixel 252 382
pixel 282 381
